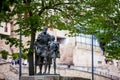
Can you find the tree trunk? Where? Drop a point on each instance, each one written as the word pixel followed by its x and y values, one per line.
pixel 31 51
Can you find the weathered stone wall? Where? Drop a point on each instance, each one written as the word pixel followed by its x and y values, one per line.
pixel 82 56
pixel 6 74
pixel 68 72
pixel 79 54
pixel 76 73
pixel 66 52
pixel 41 77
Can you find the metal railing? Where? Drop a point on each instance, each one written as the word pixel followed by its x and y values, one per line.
pixel 97 71
pixel 103 72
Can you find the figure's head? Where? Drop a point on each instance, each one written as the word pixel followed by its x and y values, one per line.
pixel 52 38
pixel 45 29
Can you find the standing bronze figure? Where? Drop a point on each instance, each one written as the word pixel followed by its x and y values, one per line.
pixel 41 49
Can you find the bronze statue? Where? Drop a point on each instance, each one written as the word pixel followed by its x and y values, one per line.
pixel 47 50
pixel 41 49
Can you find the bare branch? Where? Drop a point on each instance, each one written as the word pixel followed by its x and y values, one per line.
pixel 43 3
pixel 63 3
pixel 58 9
pixel 53 6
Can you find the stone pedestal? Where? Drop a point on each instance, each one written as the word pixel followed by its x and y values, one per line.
pixel 41 77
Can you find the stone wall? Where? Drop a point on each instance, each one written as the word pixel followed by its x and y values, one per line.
pixel 77 73
pixel 6 74
pixel 82 56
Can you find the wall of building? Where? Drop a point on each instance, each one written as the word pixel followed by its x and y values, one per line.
pixel 5 28
pixel 78 54
pixel 67 45
pixel 82 56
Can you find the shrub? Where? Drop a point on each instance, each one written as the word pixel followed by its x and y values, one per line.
pixel 24 56
pixel 15 55
pixel 4 54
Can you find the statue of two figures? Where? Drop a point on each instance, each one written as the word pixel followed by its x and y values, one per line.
pixel 46 52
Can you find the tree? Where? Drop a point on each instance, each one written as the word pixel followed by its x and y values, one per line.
pixel 4 54
pixel 105 23
pixel 33 15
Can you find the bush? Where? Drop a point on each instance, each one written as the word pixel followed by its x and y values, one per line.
pixel 4 54
pixel 24 56
pixel 15 55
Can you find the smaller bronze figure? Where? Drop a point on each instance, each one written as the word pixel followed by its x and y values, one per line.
pixel 53 52
pixel 41 49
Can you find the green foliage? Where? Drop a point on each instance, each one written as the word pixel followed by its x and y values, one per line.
pixel 24 56
pixel 102 19
pixel 6 10
pixel 10 40
pixel 4 54
pixel 15 55
pixel 105 24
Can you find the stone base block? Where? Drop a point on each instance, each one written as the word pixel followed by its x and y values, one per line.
pixel 41 77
